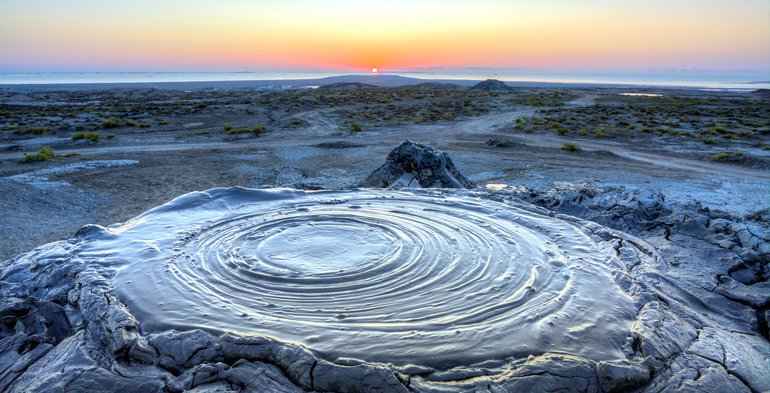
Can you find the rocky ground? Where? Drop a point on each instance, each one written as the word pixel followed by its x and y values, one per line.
pixel 689 230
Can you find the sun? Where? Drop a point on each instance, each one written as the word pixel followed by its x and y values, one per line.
pixel 375 70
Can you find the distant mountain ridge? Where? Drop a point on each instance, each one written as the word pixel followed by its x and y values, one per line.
pixel 379 80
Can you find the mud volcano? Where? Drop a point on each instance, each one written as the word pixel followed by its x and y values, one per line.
pixel 401 277
pixel 393 291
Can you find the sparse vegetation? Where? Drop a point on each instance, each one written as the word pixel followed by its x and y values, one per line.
pixel 553 98
pixel 706 119
pixel 256 130
pixel 44 154
pixel 34 131
pixel 355 126
pixel 296 122
pixel 110 123
pixel 569 146
pixel 91 136
pixel 721 157
pixel 727 156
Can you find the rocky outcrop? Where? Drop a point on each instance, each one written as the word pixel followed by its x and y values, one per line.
pixel 411 165
pixel 712 301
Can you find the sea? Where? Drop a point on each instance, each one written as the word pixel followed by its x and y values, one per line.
pixel 670 78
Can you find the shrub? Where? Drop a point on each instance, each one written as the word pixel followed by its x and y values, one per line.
pixel 721 157
pixel 110 136
pixel 163 122
pixel 296 122
pixel 355 126
pixel 131 123
pixel 145 125
pixel 258 129
pixel 569 146
pixel 44 154
pixel 110 123
pixel 91 136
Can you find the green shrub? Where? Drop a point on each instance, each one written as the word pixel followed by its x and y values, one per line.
pixel 91 136
pixel 44 154
pixel 355 126
pixel 721 157
pixel 111 136
pixel 256 130
pixel 145 125
pixel 569 146
pixel 296 122
pixel 110 123
pixel 163 122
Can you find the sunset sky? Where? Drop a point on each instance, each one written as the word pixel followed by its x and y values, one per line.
pixel 236 35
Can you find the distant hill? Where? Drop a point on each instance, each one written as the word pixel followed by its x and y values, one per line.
pixel 491 85
pixel 435 85
pixel 372 80
pixel 348 86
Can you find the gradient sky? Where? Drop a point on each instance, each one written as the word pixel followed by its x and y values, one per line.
pixel 236 35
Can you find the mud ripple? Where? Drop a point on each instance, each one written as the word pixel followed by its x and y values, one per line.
pixel 402 277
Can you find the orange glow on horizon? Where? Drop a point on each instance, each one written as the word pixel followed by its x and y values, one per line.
pixel 337 34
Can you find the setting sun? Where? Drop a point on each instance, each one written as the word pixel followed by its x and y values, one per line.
pixel 375 70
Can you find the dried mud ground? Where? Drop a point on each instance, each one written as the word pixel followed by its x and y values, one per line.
pixel 706 146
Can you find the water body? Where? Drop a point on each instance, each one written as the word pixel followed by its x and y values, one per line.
pixel 697 79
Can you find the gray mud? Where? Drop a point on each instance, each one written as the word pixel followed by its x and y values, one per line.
pixel 697 280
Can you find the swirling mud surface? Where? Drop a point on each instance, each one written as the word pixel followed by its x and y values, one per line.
pixel 399 277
